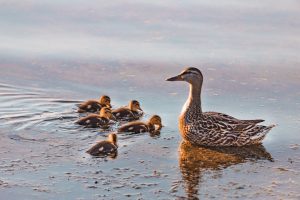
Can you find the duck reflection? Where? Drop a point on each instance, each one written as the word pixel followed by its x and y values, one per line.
pixel 193 160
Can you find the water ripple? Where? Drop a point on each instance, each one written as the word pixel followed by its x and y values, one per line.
pixel 34 110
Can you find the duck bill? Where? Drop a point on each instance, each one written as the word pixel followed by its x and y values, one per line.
pixel 139 108
pixel 175 78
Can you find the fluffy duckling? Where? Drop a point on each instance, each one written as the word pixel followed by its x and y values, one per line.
pixel 105 148
pixel 139 127
pixel 94 105
pixel 95 120
pixel 130 112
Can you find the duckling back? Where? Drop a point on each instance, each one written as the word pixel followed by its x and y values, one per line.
pixel 89 106
pixel 102 148
pixel 105 148
pixel 130 112
pixel 94 105
pixel 135 127
pixel 93 121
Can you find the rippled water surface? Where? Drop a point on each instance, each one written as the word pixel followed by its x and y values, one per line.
pixel 53 55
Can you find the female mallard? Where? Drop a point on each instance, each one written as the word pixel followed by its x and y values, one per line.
pixel 105 148
pixel 130 112
pixel 212 128
pixel 95 120
pixel 94 105
pixel 139 127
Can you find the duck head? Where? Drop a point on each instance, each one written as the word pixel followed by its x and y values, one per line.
pixel 156 120
pixel 106 113
pixel 105 101
pixel 191 75
pixel 113 138
pixel 134 105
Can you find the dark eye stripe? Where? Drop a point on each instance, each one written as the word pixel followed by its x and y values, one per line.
pixel 190 72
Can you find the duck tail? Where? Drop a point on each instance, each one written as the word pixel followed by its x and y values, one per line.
pixel 254 121
pixel 257 138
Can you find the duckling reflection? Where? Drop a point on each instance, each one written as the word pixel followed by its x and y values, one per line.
pixel 193 160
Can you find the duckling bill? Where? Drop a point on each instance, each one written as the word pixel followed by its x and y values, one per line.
pixel 139 126
pixel 94 105
pixel 105 148
pixel 130 112
pixel 95 120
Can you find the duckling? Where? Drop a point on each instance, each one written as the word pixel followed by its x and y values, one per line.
pixel 130 112
pixel 95 120
pixel 213 128
pixel 105 148
pixel 139 127
pixel 94 105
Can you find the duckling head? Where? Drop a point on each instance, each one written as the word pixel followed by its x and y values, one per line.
pixel 156 120
pixel 106 113
pixel 191 75
pixel 134 105
pixel 105 100
pixel 113 138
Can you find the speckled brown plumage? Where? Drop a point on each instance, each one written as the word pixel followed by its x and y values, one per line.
pixel 212 128
pixel 139 127
pixel 94 105
pixel 105 148
pixel 131 112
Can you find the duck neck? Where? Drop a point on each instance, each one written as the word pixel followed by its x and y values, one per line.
pixel 150 126
pixel 194 99
pixel 105 117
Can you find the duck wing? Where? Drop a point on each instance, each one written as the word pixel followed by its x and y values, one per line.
pixel 102 148
pixel 134 127
pixel 123 112
pixel 231 124
pixel 93 120
pixel 228 117
pixel 233 132
pixel 89 106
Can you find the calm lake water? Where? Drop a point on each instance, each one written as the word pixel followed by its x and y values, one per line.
pixel 55 54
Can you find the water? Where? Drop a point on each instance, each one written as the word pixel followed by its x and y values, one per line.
pixel 56 54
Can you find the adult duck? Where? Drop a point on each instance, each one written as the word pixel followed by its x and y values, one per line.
pixel 213 128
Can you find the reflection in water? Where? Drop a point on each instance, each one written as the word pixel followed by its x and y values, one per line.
pixel 194 160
